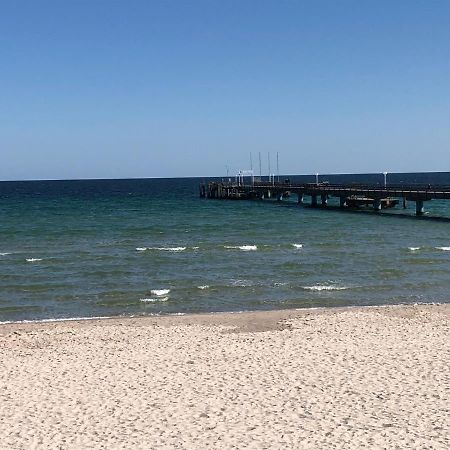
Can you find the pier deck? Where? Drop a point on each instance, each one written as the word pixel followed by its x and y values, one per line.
pixel 350 195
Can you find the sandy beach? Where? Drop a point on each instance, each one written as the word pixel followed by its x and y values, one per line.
pixel 314 379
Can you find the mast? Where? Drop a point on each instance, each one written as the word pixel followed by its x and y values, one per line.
pixel 278 170
pixel 260 171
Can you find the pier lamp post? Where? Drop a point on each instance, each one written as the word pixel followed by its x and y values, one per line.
pixel 317 178
pixel 385 175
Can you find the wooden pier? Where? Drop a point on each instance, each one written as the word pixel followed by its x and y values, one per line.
pixel 349 195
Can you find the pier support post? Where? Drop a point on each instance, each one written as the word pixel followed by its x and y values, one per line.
pixel 377 204
pixel 405 203
pixel 419 207
pixel 280 197
pixel 324 199
pixel 342 202
pixel 268 194
pixel 314 200
pixel 300 198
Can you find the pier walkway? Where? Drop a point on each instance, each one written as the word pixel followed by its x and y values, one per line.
pixel 350 195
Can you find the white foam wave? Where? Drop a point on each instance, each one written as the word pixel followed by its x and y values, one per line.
pixel 68 319
pixel 413 249
pixel 5 253
pixel 154 299
pixel 33 259
pixel 168 249
pixel 244 248
pixel 445 249
pixel 241 283
pixel 159 292
pixel 325 288
pixel 195 248
pixel 141 249
pixel 298 246
pixel 205 286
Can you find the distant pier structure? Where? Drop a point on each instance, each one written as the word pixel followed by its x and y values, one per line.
pixel 350 195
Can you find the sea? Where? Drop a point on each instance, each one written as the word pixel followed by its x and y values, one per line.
pixel 132 247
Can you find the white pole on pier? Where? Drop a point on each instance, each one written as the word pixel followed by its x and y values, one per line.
pixel 268 163
pixel 317 178
pixel 278 170
pixel 260 171
pixel 385 176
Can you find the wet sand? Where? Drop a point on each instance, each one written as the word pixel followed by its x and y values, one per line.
pixel 341 378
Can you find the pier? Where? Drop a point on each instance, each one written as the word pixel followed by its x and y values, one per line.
pixel 350 195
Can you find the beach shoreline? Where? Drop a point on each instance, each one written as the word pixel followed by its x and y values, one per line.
pixel 304 378
pixel 231 318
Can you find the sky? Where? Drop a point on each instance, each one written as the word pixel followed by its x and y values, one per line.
pixel 130 88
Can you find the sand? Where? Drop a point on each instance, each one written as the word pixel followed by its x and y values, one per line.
pixel 347 378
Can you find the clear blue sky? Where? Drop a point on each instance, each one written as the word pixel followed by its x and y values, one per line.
pixel 107 88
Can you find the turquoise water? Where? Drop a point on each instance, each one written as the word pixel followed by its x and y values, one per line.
pixel 133 247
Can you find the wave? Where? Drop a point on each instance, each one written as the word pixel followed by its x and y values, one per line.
pixel 154 299
pixel 159 292
pixel 241 283
pixel 5 253
pixel 162 249
pixel 62 319
pixel 244 248
pixel 414 249
pixel 33 259
pixel 168 249
pixel 205 286
pixel 445 249
pixel 325 288
pixel 298 246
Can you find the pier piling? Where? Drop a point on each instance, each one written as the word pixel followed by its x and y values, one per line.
pixel 419 207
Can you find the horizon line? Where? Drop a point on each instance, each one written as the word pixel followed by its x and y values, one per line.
pixel 220 176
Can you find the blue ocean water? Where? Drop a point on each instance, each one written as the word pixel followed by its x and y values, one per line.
pixel 152 246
